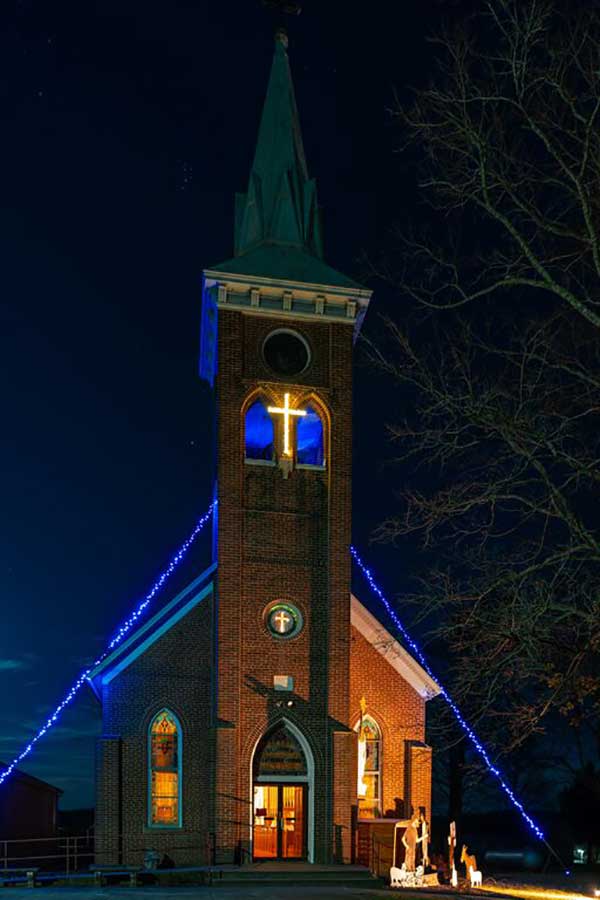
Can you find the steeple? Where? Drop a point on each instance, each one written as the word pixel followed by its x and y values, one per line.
pixel 277 223
pixel 280 206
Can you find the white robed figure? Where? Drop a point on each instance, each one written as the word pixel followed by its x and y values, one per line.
pixel 362 752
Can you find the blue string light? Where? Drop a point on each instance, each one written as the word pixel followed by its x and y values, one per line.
pixel 126 626
pixel 120 634
pixel 457 714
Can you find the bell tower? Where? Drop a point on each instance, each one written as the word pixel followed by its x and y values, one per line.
pixel 277 341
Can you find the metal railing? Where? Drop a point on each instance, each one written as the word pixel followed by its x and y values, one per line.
pixel 61 853
pixel 71 854
pixel 381 856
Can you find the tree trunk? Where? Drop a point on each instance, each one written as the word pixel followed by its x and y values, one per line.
pixel 456 761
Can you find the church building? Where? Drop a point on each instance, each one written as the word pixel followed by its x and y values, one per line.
pixel 264 712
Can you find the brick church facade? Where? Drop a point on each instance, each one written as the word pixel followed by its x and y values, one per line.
pixel 264 712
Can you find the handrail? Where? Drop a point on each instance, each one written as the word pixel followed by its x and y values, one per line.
pixel 78 851
pixel 377 844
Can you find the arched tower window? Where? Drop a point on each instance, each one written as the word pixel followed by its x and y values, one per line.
pixel 309 436
pixel 259 435
pixel 165 771
pixel 369 768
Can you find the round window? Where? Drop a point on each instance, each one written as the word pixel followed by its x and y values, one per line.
pixel 286 353
pixel 284 620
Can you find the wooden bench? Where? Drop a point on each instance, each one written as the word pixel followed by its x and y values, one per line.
pixel 27 872
pixel 102 873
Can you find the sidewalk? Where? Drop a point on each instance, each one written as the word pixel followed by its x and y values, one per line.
pixel 224 891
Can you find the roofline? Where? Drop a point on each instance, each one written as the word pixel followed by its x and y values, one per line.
pixel 360 294
pixel 153 636
pixel 36 782
pixel 393 652
pixel 364 621
pixel 147 626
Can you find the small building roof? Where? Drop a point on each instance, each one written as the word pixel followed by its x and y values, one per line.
pixel 31 780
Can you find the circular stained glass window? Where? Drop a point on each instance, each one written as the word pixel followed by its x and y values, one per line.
pixel 284 620
pixel 286 353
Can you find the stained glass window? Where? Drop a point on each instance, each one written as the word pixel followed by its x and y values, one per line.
pixel 259 432
pixel 165 770
pixel 309 436
pixel 369 774
pixel 280 753
pixel 284 620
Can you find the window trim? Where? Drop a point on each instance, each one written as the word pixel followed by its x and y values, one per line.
pixel 294 611
pixel 249 403
pixel 157 826
pixel 315 405
pixel 297 334
pixel 377 801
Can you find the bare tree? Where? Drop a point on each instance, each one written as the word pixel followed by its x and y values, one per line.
pixel 510 133
pixel 500 455
pixel 501 370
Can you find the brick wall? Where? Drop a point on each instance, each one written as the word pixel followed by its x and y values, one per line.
pixel 400 713
pixel 278 539
pixel 108 805
pixel 173 673
pixel 418 775
pixel 283 539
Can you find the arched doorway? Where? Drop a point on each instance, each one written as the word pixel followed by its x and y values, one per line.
pixel 282 825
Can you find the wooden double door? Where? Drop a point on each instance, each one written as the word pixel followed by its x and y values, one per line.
pixel 279 823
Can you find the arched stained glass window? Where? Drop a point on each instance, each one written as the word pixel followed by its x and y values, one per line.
pixel 309 437
pixel 279 753
pixel 165 771
pixel 369 768
pixel 259 432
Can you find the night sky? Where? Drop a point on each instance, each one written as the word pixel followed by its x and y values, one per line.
pixel 127 127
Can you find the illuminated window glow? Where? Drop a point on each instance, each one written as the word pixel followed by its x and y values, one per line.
pixel 165 771
pixel 309 437
pixel 284 620
pixel 259 432
pixel 287 412
pixel 281 621
pixel 369 769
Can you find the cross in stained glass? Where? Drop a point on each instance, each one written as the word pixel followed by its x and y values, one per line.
pixel 287 412
pixel 282 621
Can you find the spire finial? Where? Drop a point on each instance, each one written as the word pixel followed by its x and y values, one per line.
pixel 281 8
pixel 289 7
pixel 281 37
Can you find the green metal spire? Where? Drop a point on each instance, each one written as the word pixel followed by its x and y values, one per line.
pixel 280 206
pixel 277 223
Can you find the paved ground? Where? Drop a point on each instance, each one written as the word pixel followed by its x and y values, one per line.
pixel 223 892
pixel 582 884
pixel 577 883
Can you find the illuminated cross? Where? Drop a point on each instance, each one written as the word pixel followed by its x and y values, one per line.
pixel 286 412
pixel 282 621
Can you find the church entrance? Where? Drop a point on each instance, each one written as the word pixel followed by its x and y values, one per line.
pixel 279 821
pixel 281 796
